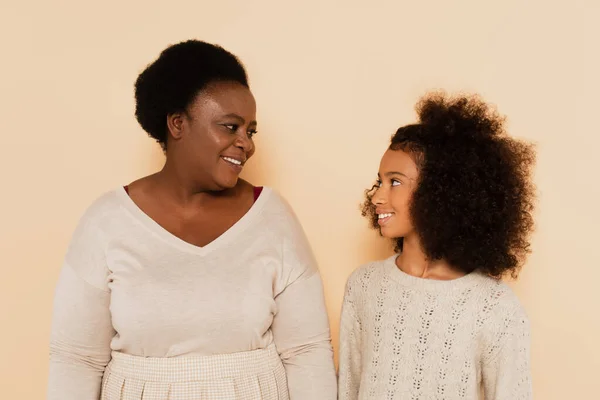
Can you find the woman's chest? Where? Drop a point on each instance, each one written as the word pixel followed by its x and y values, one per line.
pixel 185 295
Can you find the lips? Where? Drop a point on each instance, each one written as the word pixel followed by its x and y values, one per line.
pixel 384 217
pixel 234 160
pixel 236 163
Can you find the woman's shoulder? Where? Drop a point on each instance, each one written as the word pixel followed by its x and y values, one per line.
pixel 101 216
pixel 86 250
pixel 274 200
pixel 104 205
pixel 277 212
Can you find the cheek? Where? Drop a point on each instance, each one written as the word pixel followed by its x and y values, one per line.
pixel 218 140
pixel 400 202
pixel 209 146
pixel 401 205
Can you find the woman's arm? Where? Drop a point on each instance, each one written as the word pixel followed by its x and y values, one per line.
pixel 81 322
pixel 301 327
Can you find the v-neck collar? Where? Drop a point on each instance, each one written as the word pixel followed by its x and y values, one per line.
pixel 181 244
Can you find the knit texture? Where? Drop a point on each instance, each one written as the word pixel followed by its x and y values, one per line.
pixel 409 338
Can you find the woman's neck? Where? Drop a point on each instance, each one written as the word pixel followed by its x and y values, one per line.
pixel 186 188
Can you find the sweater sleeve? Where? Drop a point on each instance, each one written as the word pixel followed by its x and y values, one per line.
pixel 300 326
pixel 81 324
pixel 350 347
pixel 506 371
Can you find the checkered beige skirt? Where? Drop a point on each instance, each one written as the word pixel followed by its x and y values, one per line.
pixel 257 374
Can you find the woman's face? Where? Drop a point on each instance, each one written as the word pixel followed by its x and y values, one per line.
pixel 212 140
pixel 397 179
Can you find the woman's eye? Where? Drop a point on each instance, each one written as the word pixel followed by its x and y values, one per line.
pixel 396 182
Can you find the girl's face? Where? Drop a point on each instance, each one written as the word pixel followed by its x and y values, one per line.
pixel 397 180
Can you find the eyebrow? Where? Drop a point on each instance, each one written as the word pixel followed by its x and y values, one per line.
pixel 238 117
pixel 392 173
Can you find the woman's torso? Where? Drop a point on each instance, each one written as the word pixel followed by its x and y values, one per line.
pixel 171 298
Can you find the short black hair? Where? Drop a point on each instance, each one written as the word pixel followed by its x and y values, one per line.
pixel 474 198
pixel 171 83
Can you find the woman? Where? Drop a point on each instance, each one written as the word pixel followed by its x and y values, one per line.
pixel 191 283
pixel 435 321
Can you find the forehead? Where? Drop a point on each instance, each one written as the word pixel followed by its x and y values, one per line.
pixel 225 98
pixel 398 161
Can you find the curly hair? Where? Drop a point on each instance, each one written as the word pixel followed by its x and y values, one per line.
pixel 171 83
pixel 474 198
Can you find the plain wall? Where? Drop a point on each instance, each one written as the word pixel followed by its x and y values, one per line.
pixel 333 80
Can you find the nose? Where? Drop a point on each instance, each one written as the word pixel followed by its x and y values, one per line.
pixel 378 197
pixel 243 142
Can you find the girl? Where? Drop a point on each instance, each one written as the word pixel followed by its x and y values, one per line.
pixel 434 321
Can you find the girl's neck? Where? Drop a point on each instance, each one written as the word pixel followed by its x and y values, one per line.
pixel 413 261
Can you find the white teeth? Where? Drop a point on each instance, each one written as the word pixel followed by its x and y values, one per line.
pixel 231 160
pixel 381 216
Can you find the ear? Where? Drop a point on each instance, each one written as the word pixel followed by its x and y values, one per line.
pixel 175 125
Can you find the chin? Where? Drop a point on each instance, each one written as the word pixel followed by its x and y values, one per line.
pixel 386 232
pixel 389 232
pixel 224 184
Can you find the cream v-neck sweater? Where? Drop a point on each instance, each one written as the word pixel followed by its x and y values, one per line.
pixel 407 338
pixel 128 285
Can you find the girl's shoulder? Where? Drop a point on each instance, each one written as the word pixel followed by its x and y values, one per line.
pixel 368 277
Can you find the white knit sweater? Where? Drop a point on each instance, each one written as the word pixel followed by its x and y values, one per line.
pixel 409 338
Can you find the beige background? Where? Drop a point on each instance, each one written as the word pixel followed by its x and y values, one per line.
pixel 333 80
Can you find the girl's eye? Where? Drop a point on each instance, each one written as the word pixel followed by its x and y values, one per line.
pixel 252 133
pixel 396 182
pixel 231 127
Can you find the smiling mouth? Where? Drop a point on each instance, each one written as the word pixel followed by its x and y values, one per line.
pixel 382 219
pixel 233 161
